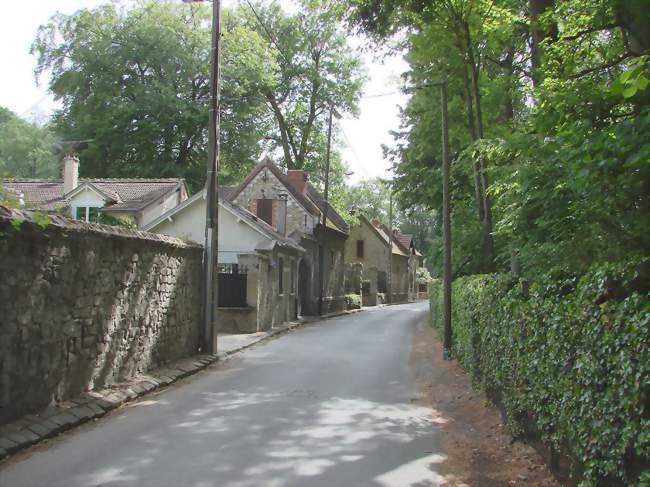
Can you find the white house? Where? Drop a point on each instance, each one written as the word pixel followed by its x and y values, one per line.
pixel 258 267
pixel 143 200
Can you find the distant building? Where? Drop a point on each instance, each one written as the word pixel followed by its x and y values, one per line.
pixel 369 244
pixel 141 200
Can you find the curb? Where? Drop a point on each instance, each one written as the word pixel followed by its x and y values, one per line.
pixel 35 428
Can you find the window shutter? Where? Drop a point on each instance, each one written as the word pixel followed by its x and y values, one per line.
pixel 265 210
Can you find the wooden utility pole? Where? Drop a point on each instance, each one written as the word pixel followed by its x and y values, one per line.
pixel 446 226
pixel 321 247
pixel 390 248
pixel 210 297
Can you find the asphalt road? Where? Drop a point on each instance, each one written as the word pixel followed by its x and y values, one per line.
pixel 331 404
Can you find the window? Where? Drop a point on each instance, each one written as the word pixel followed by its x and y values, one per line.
pixel 360 249
pixel 265 210
pixel 332 258
pixel 88 214
pixel 293 276
pixel 281 276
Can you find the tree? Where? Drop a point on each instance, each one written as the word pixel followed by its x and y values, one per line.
pixel 134 84
pixel 26 150
pixel 563 94
pixel 318 71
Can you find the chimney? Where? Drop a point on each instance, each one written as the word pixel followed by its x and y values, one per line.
pixel 298 179
pixel 70 173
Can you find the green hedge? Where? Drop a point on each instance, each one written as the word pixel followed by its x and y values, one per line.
pixel 572 354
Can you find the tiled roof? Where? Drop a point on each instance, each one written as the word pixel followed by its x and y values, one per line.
pixel 268 229
pixel 128 194
pixel 242 213
pixel 384 233
pixel 332 214
pixel 268 164
pixel 404 239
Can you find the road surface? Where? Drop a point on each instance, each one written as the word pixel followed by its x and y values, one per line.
pixel 331 404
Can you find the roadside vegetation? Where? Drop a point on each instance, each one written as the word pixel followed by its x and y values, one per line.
pixel 550 179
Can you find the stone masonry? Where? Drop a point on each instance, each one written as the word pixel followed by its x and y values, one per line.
pixel 85 306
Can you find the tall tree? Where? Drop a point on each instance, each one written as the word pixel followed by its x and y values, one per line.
pixel 318 71
pixel 561 125
pixel 134 83
pixel 26 149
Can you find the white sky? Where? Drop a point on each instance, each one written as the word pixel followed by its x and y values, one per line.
pixel 19 92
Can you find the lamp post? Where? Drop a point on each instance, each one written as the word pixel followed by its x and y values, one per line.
pixel 210 295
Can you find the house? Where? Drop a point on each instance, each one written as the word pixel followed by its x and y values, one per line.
pixel 258 266
pixel 369 244
pixel 293 207
pixel 141 200
pixel 415 261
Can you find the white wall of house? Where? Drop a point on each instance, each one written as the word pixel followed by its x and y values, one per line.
pixel 235 237
pixel 153 211
pixel 86 198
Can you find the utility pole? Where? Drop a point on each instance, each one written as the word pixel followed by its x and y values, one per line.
pixel 446 227
pixel 210 297
pixel 321 248
pixel 390 248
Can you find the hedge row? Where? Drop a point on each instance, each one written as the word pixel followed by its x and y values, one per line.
pixel 571 354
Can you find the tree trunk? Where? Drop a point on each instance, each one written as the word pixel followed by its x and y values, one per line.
pixel 471 125
pixel 284 132
pixel 486 223
pixel 537 36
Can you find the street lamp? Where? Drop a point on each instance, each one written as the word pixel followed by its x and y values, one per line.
pixel 210 295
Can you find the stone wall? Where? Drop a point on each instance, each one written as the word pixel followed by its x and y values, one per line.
pixel 86 306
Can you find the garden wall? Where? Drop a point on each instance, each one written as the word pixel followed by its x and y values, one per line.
pixel 86 306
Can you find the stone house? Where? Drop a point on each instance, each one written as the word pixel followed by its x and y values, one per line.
pixel 141 200
pixel 258 267
pixel 293 207
pixel 415 261
pixel 369 245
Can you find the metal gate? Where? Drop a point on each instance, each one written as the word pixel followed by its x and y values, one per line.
pixel 232 290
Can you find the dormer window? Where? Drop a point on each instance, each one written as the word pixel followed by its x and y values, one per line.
pixel 88 214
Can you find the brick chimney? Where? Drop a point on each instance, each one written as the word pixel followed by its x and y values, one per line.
pixel 70 173
pixel 298 179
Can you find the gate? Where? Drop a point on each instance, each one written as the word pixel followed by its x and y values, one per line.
pixel 232 288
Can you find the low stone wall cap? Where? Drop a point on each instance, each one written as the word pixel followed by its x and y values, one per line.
pixel 34 218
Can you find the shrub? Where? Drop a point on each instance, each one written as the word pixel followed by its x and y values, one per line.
pixel 571 353
pixel 353 301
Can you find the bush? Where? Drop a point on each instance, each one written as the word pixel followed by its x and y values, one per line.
pixel 352 301
pixel 571 353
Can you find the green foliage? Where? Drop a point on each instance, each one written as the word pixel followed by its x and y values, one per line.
pixel 352 301
pixel 134 84
pixel 572 353
pixel 122 221
pixel 317 70
pixel 422 276
pixel 26 149
pixel 564 145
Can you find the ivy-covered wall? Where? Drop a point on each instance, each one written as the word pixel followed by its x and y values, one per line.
pixel 572 354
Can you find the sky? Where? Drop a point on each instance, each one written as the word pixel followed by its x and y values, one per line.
pixel 362 137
